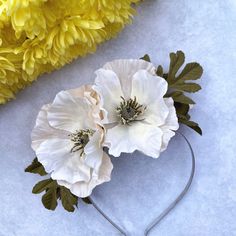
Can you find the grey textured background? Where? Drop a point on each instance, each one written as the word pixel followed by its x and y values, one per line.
pixel 141 187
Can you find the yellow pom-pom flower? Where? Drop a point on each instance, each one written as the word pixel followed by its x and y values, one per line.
pixel 38 36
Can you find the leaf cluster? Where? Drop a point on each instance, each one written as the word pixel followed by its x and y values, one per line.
pixel 179 83
pixel 52 190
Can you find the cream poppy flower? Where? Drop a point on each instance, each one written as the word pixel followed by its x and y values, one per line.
pixel 68 140
pixel 137 117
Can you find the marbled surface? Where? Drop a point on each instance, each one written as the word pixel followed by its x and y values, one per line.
pixel 140 187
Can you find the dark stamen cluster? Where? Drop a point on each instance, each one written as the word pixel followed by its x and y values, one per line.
pixel 80 139
pixel 129 110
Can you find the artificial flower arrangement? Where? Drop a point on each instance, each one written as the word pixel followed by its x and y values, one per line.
pixel 131 106
pixel 38 36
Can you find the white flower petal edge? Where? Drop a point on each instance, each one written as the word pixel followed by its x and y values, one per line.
pixel 142 137
pixel 79 164
pixel 110 92
pixel 142 120
pixel 84 189
pixel 125 70
pixel 148 88
pixel 42 130
pixel 68 112
pixel 170 124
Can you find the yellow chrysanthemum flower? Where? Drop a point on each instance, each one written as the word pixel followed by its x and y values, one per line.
pixel 38 36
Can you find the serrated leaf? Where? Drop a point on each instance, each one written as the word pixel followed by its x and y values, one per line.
pixel 43 185
pixel 36 168
pixel 146 58
pixel 181 108
pixel 49 199
pixel 86 200
pixel 176 61
pixel 192 71
pixel 188 87
pixel 54 192
pixel 68 199
pixel 165 76
pixel 192 125
pixel 181 98
pixel 159 71
pixel 184 117
pixel 178 86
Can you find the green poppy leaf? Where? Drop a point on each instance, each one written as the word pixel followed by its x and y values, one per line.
pixel 159 71
pixel 36 168
pixel 68 199
pixel 192 71
pixel 176 61
pixel 192 125
pixel 86 200
pixel 49 199
pixel 43 185
pixel 188 87
pixel 181 98
pixel 146 58
pixel 181 108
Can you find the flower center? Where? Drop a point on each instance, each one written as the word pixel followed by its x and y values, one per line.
pixel 80 139
pixel 129 110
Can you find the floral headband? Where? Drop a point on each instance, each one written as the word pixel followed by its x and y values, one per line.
pixel 131 106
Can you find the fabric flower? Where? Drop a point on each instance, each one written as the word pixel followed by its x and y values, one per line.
pixel 137 117
pixel 68 140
